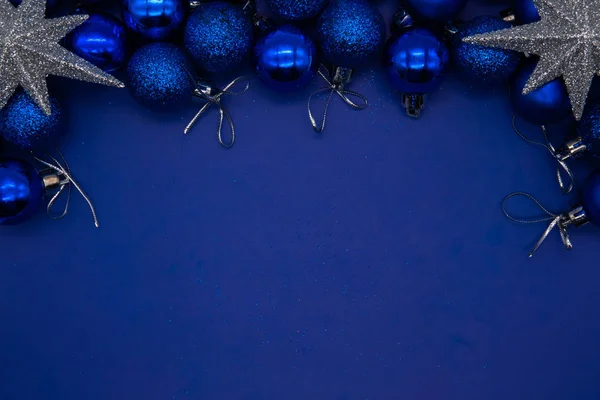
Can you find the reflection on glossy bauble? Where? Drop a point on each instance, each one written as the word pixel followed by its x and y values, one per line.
pixel 21 191
pixel 154 19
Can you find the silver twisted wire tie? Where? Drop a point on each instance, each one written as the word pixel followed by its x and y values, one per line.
pixel 63 172
pixel 567 186
pixel 334 86
pixel 560 221
pixel 213 97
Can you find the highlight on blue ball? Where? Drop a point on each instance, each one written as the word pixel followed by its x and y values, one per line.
pixel 156 19
pixel 21 191
pixel 297 10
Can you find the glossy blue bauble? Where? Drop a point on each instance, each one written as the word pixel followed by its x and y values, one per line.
pixel 525 12
pixel 26 126
pixel 218 35
pixel 159 76
pixel 154 19
pixel 21 191
pixel 546 105
pixel 590 198
pixel 101 40
pixel 297 10
pixel 439 11
pixel 415 60
pixel 588 128
pixel 350 33
pixel 480 64
pixel 285 59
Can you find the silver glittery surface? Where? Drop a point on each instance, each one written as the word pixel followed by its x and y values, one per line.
pixel 29 52
pixel 567 40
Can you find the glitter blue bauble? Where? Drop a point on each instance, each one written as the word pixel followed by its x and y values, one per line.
pixel 415 60
pixel 350 33
pixel 159 76
pixel 525 12
pixel 483 64
pixel 297 10
pixel 21 191
pixel 588 128
pixel 25 125
pixel 218 36
pixel 439 11
pixel 546 105
pixel 590 197
pixel 285 59
pixel 154 19
pixel 100 40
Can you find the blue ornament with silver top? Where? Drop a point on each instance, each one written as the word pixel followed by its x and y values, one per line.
pixel 156 19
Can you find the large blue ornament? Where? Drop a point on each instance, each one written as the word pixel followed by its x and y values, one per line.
pixel 415 60
pixel 154 19
pixel 483 64
pixel 285 59
pixel 350 33
pixel 588 129
pixel 25 125
pixel 439 11
pixel 21 191
pixel 296 10
pixel 546 105
pixel 525 12
pixel 590 198
pixel 218 35
pixel 160 77
pixel 101 40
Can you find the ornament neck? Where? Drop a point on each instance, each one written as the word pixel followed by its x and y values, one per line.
pixel 574 148
pixel 402 20
pixel 413 104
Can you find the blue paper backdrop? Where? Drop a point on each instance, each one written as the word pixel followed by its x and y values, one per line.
pixel 372 262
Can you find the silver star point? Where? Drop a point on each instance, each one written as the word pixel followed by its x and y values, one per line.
pixel 567 41
pixel 30 51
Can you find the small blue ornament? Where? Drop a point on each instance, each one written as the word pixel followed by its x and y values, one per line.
pixel 438 11
pixel 525 12
pixel 21 191
pixel 483 64
pixel 590 198
pixel 350 33
pixel 25 125
pixel 219 36
pixel 160 77
pixel 285 59
pixel 546 105
pixel 297 10
pixel 588 129
pixel 101 40
pixel 156 19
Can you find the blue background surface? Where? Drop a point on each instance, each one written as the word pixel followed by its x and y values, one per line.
pixel 372 262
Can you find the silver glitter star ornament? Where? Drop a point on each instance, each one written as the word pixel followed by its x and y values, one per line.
pixel 567 40
pixel 29 52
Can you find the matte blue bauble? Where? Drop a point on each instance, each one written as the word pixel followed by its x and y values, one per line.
pixel 415 60
pixel 525 12
pixel 590 198
pixel 21 191
pixel 350 33
pixel 297 10
pixel 218 35
pixel 483 64
pixel 154 19
pixel 101 40
pixel 546 105
pixel 25 125
pixel 285 59
pixel 159 76
pixel 588 128
pixel 440 11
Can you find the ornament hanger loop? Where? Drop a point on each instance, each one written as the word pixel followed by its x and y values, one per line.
pixel 337 86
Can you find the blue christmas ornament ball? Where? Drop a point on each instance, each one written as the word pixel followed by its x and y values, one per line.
pixel 415 60
pixel 525 12
pixel 545 105
pixel 297 10
pixel 285 59
pixel 588 128
pixel 350 33
pixel 219 36
pixel 590 197
pixel 483 64
pixel 26 126
pixel 21 191
pixel 156 19
pixel 438 11
pixel 159 76
pixel 101 40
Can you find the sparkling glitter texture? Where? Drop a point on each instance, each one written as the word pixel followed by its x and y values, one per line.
pixel 567 39
pixel 159 76
pixel 350 32
pixel 25 125
pixel 296 10
pixel 218 36
pixel 589 130
pixel 30 52
pixel 483 64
